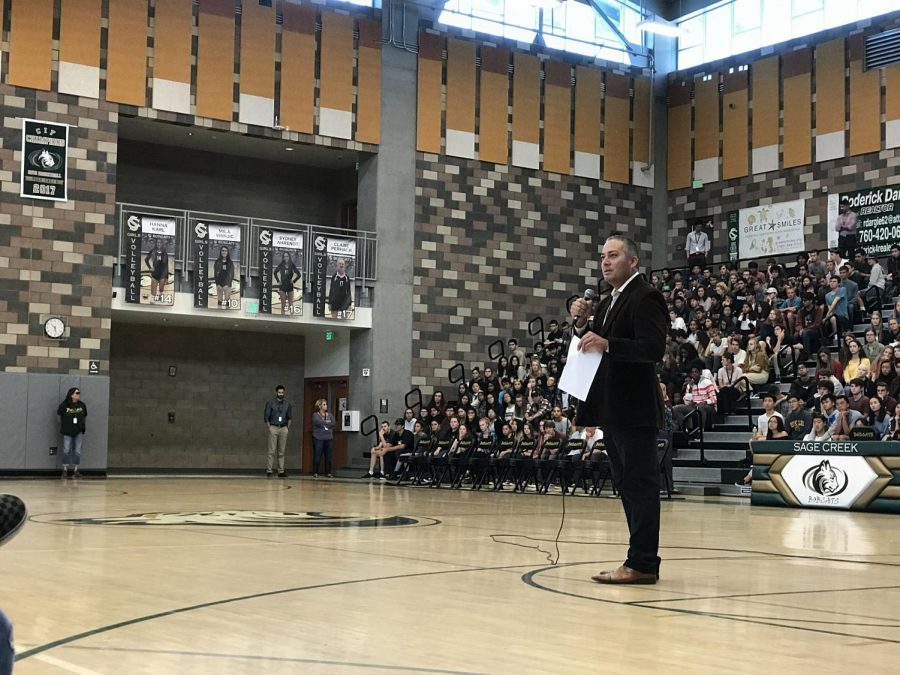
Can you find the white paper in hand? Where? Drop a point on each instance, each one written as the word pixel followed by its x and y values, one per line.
pixel 578 375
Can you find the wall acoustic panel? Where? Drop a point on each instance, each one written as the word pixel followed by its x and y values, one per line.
pixel 30 43
pixel 257 64
pixel 796 69
pixel 641 173
pixel 460 98
pixel 298 68
pixel 526 132
pixel 892 106
pixel 172 27
pixel 215 60
pixel 126 53
pixel 368 87
pixel 765 88
pixel 616 133
pixel 428 100
pixel 336 76
pixel 493 108
pixel 865 101
pixel 735 126
pixel 79 48
pixel 588 82
pixel 831 100
pixel 557 117
pixel 706 128
pixel 678 161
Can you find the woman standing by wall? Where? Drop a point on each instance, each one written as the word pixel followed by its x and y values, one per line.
pixel 71 414
pixel 323 437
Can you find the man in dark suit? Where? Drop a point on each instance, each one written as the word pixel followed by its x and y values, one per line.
pixel 629 328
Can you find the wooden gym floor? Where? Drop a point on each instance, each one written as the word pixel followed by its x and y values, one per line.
pixel 127 576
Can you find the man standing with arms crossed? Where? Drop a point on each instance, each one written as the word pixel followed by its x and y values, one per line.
pixel 629 329
pixel 278 422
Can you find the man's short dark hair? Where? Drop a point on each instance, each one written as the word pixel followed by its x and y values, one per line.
pixel 820 416
pixel 845 201
pixel 279 386
pixel 512 341
pixel 841 396
pixel 399 422
pixel 770 395
pixel 881 383
pixel 858 381
pixel 793 396
pixel 828 397
pixel 627 243
pixel 753 265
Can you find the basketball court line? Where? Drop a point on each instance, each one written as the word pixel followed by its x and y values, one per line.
pixel 277 659
pixel 529 579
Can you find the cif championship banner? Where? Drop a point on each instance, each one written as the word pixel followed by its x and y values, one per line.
pixel 280 271
pixel 150 259
pixel 774 229
pixel 334 267
pixel 45 149
pixel 217 265
pixel 877 217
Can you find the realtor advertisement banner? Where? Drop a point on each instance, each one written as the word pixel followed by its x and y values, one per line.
pixel 217 265
pixel 45 150
pixel 280 271
pixel 877 212
pixel 773 229
pixel 149 259
pixel 334 269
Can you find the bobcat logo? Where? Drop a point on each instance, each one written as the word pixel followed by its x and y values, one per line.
pixel 824 479
pixel 732 234
pixel 134 223
pixel 44 159
pixel 200 230
pixel 320 243
pixel 265 237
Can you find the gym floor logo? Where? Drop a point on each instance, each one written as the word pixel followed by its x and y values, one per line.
pixel 236 518
pixel 824 479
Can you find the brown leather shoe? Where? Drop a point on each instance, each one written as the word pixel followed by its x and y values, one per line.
pixel 625 575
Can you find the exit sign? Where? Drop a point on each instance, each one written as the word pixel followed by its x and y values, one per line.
pixel 329 335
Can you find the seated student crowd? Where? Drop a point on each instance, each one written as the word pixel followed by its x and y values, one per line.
pixel 736 329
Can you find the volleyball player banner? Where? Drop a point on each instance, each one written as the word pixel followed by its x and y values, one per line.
pixel 150 259
pixel 877 218
pixel 772 229
pixel 217 265
pixel 334 269
pixel 280 271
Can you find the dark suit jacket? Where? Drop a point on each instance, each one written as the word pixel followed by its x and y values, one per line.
pixel 625 393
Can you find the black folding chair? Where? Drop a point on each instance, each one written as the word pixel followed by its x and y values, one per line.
pixel 663 455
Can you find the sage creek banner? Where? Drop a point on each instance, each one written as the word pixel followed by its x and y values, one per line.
pixel 767 230
pixel 217 265
pixel 877 218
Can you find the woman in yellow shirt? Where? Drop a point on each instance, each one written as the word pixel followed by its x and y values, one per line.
pixel 852 358
pixel 756 367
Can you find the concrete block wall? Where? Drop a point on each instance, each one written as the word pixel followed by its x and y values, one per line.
pixel 497 245
pixel 813 183
pixel 218 395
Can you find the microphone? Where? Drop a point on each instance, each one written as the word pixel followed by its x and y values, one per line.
pixel 589 294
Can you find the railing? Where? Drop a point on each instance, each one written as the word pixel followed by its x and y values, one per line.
pixel 745 397
pixel 366 245
pixel 695 413
pixel 793 351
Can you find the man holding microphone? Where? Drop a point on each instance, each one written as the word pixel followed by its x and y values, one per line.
pixel 629 329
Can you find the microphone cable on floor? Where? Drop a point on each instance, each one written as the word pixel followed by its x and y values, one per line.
pixel 550 558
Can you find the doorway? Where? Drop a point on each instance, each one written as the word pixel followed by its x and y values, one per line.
pixel 335 390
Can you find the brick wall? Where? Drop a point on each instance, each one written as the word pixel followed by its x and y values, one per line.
pixel 497 245
pixel 813 183
pixel 55 257
pixel 223 381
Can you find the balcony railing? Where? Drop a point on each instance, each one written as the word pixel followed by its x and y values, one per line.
pixel 366 245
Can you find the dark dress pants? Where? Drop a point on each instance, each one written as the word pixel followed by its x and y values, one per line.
pixel 635 474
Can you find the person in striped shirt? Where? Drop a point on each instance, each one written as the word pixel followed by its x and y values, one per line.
pixel 699 393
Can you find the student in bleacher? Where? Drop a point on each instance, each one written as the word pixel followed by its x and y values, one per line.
pixel 878 418
pixel 837 315
pixel 882 391
pixel 756 367
pixel 819 431
pixel 828 369
pixel 857 400
pixel 776 430
pixel 851 358
pixel 894 431
pixel 699 394
pixel 798 421
pixel 846 419
pixel 762 423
